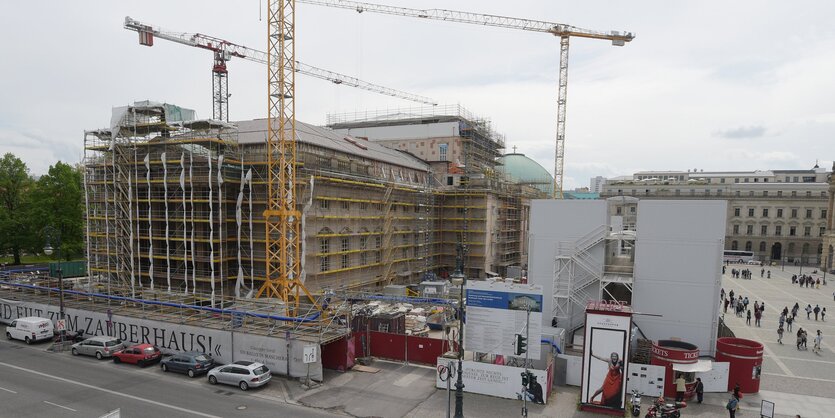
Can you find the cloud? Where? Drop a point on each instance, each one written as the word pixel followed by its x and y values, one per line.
pixel 742 132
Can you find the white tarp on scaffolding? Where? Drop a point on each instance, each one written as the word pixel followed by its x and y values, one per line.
pixel 150 224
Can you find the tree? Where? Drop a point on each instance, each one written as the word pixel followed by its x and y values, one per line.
pixel 15 187
pixel 58 201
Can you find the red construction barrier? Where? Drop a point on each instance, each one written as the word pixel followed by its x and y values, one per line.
pixel 339 355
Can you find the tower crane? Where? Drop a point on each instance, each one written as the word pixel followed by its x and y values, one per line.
pixel 224 51
pixel 564 32
pixel 282 217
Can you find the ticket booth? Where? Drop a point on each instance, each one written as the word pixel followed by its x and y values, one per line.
pixel 678 357
pixel 745 358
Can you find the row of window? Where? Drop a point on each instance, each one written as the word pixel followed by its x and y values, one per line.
pixel 779 212
pixel 345 242
pixel 788 179
pixel 778 230
pixel 345 259
pixel 719 192
pixel 749 246
pixel 346 205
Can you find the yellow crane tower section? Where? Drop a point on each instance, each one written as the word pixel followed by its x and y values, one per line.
pixel 283 219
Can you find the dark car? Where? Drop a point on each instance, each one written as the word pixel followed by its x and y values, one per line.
pixel 140 354
pixel 191 363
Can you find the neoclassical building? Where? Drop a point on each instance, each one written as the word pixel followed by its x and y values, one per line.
pixel 779 215
pixel 829 238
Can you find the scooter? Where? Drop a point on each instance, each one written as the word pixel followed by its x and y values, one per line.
pixel 636 403
pixel 661 409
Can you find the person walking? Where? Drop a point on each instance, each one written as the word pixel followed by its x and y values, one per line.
pixel 700 390
pixel 818 283
pixel 808 312
pixel 799 337
pixel 731 406
pixel 769 274
pixel 780 334
pixel 681 387
pixel 818 340
pixel 762 273
pixel 748 319
pixel 758 314
pixel 817 311
pixel 803 339
pixel 726 305
pixel 789 321
pixel 823 314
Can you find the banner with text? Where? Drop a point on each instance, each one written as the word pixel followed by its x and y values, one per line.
pixel 497 311
pixel 496 380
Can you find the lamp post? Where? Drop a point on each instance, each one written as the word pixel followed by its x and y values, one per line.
pixel 54 235
pixel 459 383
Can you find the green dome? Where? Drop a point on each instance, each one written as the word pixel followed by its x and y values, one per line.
pixel 521 169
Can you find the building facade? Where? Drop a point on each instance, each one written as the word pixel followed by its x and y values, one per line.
pixel 829 239
pixel 779 215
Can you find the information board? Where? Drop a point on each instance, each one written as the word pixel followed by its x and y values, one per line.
pixel 497 311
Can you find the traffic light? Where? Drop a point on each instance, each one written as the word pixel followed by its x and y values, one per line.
pixel 520 345
pixel 525 379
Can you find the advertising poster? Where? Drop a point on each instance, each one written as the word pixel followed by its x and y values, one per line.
pixel 605 354
pixel 497 311
pixel 495 380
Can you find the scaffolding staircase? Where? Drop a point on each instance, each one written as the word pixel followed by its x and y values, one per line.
pixel 575 270
pixel 123 201
pixel 387 247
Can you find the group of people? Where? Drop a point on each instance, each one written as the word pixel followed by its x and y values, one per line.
pixel 739 305
pixel 805 280
pixel 744 273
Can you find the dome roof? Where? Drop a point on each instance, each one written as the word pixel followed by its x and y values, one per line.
pixel 522 169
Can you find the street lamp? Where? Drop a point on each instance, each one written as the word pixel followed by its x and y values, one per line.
pixel 52 234
pixel 459 383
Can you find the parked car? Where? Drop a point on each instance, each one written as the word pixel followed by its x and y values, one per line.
pixel 101 347
pixel 243 374
pixel 30 329
pixel 140 354
pixel 191 363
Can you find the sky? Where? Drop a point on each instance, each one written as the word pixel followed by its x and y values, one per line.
pixel 712 85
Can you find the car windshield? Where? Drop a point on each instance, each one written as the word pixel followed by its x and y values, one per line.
pixel 150 349
pixel 111 343
pixel 261 370
pixel 201 358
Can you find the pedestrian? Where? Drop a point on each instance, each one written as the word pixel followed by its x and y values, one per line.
pixel 818 283
pixel 748 319
pixel 808 311
pixel 817 310
pixel 789 321
pixel 762 273
pixel 731 294
pixel 731 406
pixel 785 311
pixel 762 307
pixel 769 274
pixel 758 314
pixel 726 305
pixel 681 387
pixel 722 294
pixel 756 306
pixel 823 314
pixel 700 390
pixel 803 339
pixel 799 337
pixel 818 340
pixel 780 334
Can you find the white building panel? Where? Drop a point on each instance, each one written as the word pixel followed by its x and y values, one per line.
pixel 678 256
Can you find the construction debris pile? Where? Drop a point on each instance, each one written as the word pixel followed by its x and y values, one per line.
pixel 398 318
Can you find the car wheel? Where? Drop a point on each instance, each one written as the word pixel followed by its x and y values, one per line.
pixel 74 352
pixel 9 335
pixel 190 373
pixel 116 360
pixel 164 368
pixel 243 386
pixel 28 340
pixel 99 356
pixel 212 380
pixel 141 363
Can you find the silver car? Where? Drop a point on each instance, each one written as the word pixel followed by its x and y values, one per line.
pixel 100 347
pixel 243 374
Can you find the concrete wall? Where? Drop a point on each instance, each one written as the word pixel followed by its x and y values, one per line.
pixel 553 221
pixel 678 258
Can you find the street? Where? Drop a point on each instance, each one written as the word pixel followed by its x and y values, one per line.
pixel 38 383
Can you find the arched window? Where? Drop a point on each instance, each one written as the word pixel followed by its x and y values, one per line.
pixel 749 246
pixel 734 245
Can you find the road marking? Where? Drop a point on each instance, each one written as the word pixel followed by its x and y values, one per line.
pixel 9 390
pixel 803 359
pixel 112 392
pixel 801 377
pixel 60 406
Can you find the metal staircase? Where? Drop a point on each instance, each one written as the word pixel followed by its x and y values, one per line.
pixel 575 270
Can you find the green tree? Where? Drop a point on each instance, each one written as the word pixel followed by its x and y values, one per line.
pixel 58 200
pixel 15 187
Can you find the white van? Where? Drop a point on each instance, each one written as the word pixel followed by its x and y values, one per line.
pixel 30 329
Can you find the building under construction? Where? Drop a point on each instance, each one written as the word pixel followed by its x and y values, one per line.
pixel 176 204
